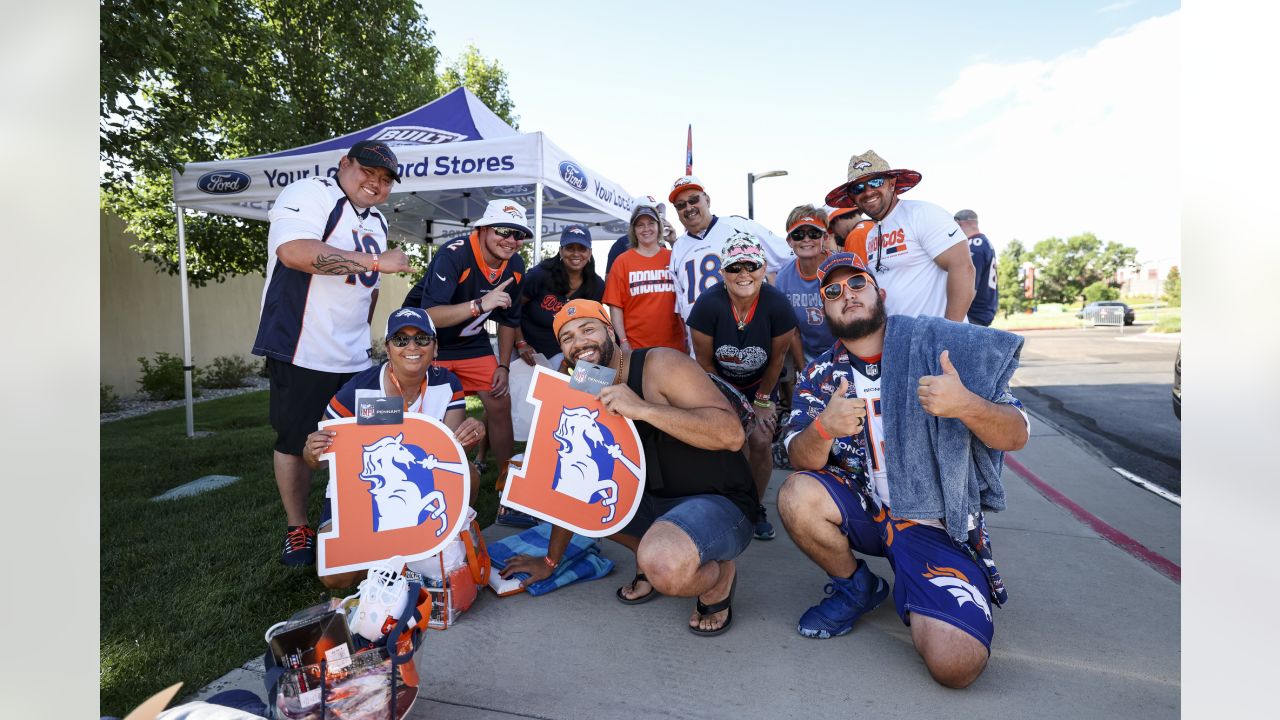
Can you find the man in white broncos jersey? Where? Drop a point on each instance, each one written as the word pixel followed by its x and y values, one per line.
pixel 695 257
pixel 324 259
pixel 919 254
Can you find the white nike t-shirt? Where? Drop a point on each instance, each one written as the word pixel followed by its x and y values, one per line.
pixel 900 252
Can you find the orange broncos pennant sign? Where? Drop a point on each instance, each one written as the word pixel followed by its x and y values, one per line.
pixel 399 491
pixel 583 468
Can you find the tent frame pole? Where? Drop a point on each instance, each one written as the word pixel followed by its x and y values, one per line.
pixel 187 367
pixel 537 226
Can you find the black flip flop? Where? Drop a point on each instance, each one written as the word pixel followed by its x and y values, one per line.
pixel 653 592
pixel 714 608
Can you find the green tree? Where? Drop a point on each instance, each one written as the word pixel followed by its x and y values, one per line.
pixel 486 79
pixel 1066 267
pixel 1009 278
pixel 1100 291
pixel 1173 287
pixel 191 80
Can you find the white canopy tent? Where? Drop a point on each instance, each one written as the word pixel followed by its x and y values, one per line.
pixel 455 155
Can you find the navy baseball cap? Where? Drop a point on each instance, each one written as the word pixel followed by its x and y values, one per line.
pixel 410 317
pixel 842 260
pixel 575 235
pixel 371 153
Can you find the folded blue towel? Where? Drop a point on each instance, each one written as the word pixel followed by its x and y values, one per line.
pixel 581 560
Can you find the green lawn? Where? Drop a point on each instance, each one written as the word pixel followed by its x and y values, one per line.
pixel 1052 316
pixel 190 586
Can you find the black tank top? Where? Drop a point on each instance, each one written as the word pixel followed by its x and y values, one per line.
pixel 677 469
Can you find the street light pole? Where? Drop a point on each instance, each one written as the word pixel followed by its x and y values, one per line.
pixel 751 181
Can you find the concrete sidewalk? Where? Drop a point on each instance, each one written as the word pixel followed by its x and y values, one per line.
pixel 1089 630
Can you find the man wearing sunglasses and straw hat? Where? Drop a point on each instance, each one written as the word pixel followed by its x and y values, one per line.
pixel 899 433
pixel 919 254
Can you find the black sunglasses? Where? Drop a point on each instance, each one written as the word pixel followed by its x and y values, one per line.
pixel 421 340
pixel 835 290
pixel 859 188
pixel 682 204
pixel 506 232
pixel 800 233
pixel 736 268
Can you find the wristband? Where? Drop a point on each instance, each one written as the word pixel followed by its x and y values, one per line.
pixel 375 262
pixel 475 308
pixel 822 430
pixel 504 367
pixel 521 345
pixel 550 563
pixel 762 403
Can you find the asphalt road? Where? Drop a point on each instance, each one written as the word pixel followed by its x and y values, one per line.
pixel 1112 390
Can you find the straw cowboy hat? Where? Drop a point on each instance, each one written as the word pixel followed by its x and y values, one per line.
pixel 866 165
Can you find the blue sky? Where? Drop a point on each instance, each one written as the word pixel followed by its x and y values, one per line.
pixel 1045 118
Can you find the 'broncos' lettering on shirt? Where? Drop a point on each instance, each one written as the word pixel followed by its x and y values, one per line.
pixel 642 282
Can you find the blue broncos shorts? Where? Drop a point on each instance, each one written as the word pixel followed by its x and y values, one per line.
pixel 931 575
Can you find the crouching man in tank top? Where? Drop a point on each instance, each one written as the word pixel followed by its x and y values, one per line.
pixel 699 507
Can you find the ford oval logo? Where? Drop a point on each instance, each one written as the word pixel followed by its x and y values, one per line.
pixel 573 175
pixel 510 191
pixel 223 182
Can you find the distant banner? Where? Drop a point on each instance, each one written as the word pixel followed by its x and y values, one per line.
pixel 400 491
pixel 584 469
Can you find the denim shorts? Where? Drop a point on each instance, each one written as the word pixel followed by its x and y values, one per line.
pixel 717 527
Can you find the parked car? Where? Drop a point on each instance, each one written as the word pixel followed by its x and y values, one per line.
pixel 1128 311
pixel 1177 384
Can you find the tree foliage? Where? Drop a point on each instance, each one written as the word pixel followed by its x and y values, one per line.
pixel 1100 291
pixel 1066 267
pixel 193 80
pixel 487 80
pixel 1009 279
pixel 1173 287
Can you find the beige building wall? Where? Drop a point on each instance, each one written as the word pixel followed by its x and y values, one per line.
pixel 142 311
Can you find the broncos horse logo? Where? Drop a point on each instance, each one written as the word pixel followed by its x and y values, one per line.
pixel 403 486
pixel 584 470
pixel 956 583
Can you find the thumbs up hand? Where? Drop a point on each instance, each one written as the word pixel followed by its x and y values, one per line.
pixel 844 416
pixel 944 395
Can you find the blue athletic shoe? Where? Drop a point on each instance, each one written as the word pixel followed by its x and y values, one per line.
pixel 847 600
pixel 764 528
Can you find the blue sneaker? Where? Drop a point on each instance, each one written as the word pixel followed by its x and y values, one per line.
pixel 514 518
pixel 764 528
pixel 847 600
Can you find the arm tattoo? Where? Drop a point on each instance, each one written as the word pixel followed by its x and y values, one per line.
pixel 337 265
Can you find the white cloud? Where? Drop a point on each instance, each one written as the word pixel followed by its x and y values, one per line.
pixel 1086 141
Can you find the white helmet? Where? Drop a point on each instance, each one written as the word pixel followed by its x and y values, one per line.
pixel 384 594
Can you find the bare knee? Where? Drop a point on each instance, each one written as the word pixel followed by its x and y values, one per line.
pixel 954 658
pixel 668 562
pixel 799 497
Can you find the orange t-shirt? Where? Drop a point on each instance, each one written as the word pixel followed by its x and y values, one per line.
pixel 856 241
pixel 642 288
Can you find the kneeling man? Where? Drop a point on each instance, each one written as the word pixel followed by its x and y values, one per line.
pixel 698 511
pixel 899 431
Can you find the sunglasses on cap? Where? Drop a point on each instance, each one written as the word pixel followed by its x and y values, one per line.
pixel 801 233
pixel 835 290
pixel 682 204
pixel 421 340
pixel 861 187
pixel 506 232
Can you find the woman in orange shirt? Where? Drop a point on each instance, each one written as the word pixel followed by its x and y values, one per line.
pixel 639 291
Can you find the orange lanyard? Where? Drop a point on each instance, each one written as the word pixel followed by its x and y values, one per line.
pixel 421 390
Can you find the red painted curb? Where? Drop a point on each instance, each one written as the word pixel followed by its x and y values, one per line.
pixel 1161 564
